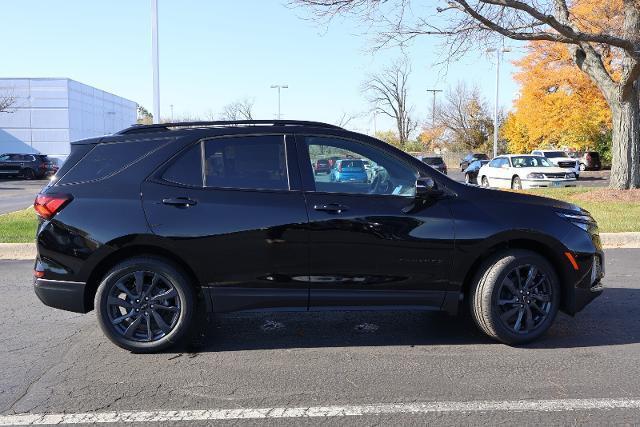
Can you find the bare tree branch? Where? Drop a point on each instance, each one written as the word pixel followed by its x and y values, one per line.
pixel 6 103
pixel 387 92
pixel 238 110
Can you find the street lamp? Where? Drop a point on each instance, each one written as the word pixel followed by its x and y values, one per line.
pixel 498 53
pixel 154 55
pixel 433 111
pixel 279 87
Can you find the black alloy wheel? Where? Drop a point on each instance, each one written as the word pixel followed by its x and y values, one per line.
pixel 145 304
pixel 515 296
pixel 525 297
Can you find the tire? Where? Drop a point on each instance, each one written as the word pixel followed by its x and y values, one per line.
pixel 467 179
pixel 485 182
pixel 494 305
pixel 28 174
pixel 583 167
pixel 516 184
pixel 168 325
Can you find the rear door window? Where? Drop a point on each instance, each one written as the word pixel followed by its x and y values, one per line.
pixel 246 162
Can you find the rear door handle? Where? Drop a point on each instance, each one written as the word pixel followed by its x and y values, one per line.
pixel 331 207
pixel 184 202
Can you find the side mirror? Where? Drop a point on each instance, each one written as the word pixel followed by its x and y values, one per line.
pixel 426 187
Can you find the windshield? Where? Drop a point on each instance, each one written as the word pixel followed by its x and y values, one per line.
pixel 555 154
pixel 530 162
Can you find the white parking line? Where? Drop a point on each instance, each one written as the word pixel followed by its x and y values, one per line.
pixel 321 411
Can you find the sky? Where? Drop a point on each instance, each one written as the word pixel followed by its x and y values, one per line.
pixel 213 52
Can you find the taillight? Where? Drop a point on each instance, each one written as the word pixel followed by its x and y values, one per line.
pixel 47 205
pixel 340 167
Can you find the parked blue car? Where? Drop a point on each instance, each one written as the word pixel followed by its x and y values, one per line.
pixel 349 170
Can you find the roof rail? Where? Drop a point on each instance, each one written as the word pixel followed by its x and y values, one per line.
pixel 222 123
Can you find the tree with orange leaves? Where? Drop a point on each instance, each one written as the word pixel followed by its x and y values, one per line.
pixel 602 37
pixel 558 107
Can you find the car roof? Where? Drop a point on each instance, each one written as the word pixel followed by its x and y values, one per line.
pixel 211 128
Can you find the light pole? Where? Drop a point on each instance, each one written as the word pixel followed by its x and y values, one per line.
pixel 498 52
pixel 154 55
pixel 279 87
pixel 433 111
pixel 171 106
pixel 375 123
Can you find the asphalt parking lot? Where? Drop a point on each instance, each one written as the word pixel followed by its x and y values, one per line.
pixel 55 362
pixel 16 194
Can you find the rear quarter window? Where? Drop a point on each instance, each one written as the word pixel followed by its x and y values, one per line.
pixel 108 159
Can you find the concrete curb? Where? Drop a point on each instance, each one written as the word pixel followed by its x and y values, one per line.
pixel 620 240
pixel 17 251
pixel 27 251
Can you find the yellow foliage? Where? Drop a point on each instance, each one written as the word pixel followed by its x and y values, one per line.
pixel 558 105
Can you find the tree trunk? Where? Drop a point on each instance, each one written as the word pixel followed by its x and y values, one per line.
pixel 625 150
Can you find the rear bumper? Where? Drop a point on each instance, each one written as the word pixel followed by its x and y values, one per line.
pixel 61 294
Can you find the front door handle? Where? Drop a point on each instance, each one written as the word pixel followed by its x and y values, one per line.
pixel 331 207
pixel 184 202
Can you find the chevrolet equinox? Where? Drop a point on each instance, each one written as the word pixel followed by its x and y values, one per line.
pixel 159 222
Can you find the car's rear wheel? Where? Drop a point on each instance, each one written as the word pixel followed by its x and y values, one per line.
pixel 467 179
pixel 516 184
pixel 145 304
pixel 28 173
pixel 515 297
pixel 485 182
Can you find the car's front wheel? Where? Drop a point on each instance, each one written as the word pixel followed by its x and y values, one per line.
pixel 516 184
pixel 145 304
pixel 485 182
pixel 515 297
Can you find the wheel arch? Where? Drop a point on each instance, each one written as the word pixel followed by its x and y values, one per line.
pixel 543 249
pixel 123 253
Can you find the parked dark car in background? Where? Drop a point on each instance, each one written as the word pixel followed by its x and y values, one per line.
pixel 471 172
pixel 159 222
pixel 435 162
pixel 322 166
pixel 589 160
pixel 470 158
pixel 28 166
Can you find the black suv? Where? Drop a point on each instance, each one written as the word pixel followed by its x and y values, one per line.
pixel 28 166
pixel 158 222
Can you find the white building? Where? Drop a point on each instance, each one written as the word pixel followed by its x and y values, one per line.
pixel 49 113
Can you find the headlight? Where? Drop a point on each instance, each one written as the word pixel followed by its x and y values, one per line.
pixel 581 220
pixel 570 175
pixel 535 175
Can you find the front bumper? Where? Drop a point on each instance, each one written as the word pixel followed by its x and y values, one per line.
pixel 547 183
pixel 587 289
pixel 61 294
